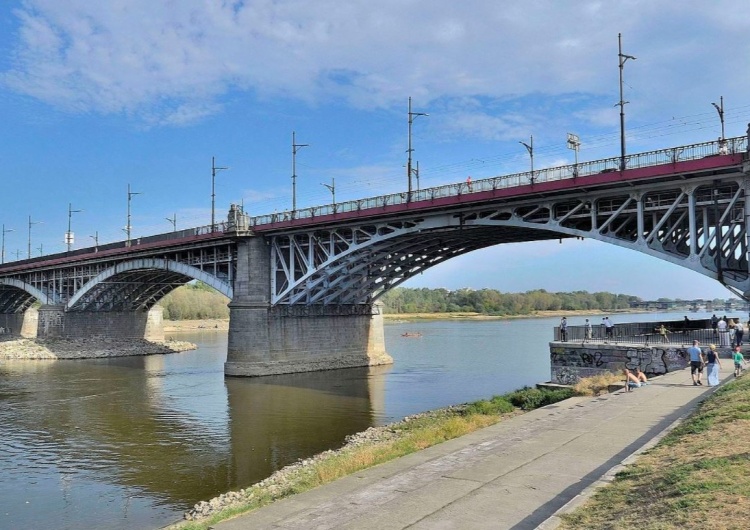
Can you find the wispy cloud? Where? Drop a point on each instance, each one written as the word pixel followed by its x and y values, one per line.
pixel 173 62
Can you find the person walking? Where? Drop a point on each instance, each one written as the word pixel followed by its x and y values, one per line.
pixel 696 362
pixel 739 331
pixel 739 361
pixel 713 364
pixel 588 330
pixel 564 329
pixel 663 333
pixel 608 327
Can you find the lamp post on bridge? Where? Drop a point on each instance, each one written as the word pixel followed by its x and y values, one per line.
pixel 622 59
pixel 332 188
pixel 574 143
pixel 31 223
pixel 95 237
pixel 295 147
pixel 214 169
pixel 720 109
pixel 409 149
pixel 530 148
pixel 127 226
pixel 2 253
pixel 69 234
pixel 173 220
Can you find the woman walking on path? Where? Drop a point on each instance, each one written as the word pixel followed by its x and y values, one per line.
pixel 713 364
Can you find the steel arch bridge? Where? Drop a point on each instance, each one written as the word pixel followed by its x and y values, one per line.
pixel 685 205
pixel 692 214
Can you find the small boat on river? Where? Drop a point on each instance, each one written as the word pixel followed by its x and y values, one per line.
pixel 412 334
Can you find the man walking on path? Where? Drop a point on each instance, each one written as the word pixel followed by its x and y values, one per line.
pixel 696 362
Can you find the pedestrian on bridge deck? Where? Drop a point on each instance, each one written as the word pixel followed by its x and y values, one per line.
pixel 564 329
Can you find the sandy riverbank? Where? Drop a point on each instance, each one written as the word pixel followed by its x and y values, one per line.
pixel 172 326
pixel 33 349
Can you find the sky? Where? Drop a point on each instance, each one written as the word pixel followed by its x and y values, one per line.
pixel 96 96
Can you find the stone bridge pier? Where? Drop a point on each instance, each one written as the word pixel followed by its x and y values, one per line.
pixel 55 322
pixel 20 324
pixel 266 340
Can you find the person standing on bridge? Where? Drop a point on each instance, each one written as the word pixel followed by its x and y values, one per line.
pixel 696 362
pixel 588 331
pixel 564 329
pixel 608 327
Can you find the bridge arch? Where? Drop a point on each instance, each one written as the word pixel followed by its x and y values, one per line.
pixel 139 284
pixel 697 224
pixel 20 296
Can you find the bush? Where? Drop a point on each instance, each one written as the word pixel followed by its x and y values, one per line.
pixel 495 406
pixel 533 398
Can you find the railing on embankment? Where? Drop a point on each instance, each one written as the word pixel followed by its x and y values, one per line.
pixel 678 332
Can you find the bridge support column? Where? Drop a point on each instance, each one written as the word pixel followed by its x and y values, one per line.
pixel 287 339
pixel 55 322
pixel 19 324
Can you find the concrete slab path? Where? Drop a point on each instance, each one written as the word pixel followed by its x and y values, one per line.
pixel 515 474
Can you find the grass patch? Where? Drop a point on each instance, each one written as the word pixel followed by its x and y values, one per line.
pixel 696 477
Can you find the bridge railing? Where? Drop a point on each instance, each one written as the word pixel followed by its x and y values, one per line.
pixel 572 171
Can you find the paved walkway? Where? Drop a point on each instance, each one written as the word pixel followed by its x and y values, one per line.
pixel 515 474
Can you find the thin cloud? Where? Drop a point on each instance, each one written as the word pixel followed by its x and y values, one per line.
pixel 172 63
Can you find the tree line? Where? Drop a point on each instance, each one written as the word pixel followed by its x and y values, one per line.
pixel 197 301
pixel 492 302
pixel 194 301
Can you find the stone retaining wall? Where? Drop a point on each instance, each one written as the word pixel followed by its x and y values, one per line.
pixel 571 361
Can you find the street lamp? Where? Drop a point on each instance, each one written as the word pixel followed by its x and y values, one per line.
pixel 332 188
pixel 173 220
pixel 127 226
pixel 2 254
pixel 69 233
pixel 412 115
pixel 295 147
pixel 214 169
pixel 720 109
pixel 530 148
pixel 622 58
pixel 574 143
pixel 30 225
pixel 95 237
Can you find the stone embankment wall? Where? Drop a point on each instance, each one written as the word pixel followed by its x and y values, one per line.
pixel 571 361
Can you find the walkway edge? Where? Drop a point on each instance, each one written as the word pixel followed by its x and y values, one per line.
pixel 555 519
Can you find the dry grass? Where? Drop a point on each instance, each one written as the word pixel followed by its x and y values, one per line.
pixel 597 384
pixel 697 477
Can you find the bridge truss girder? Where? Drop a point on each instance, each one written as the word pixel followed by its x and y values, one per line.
pixel 677 221
pixel 125 284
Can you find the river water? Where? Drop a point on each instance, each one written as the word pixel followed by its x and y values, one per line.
pixel 132 443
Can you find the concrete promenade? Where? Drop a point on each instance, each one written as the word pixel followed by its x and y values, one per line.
pixel 515 474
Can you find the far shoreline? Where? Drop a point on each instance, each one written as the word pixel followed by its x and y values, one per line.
pixel 222 324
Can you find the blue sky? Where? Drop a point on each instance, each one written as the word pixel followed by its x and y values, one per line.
pixel 98 95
